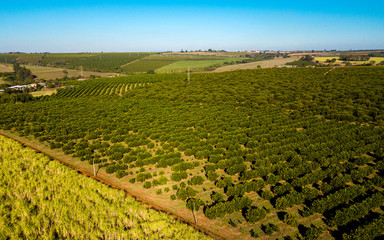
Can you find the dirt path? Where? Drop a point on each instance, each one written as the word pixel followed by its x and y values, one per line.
pixel 253 65
pixel 138 194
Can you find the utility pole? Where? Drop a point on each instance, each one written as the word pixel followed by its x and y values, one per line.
pixel 81 69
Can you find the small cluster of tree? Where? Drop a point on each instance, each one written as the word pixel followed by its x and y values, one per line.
pixel 221 209
pixel 141 177
pixel 269 228
pixel 15 97
pixel 115 167
pixel 178 176
pixel 255 214
pixel 291 219
pixel 184 193
pixel 196 180
pixel 347 57
pixel 20 74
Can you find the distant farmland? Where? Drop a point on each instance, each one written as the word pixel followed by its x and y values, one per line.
pixel 324 59
pixel 125 63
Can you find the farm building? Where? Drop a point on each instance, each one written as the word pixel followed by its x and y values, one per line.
pixel 19 87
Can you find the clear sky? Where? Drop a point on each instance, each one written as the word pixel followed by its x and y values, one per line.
pixel 117 26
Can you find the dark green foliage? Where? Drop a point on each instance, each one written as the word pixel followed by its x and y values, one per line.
pixel 132 180
pixel 267 195
pixel 270 228
pixel 291 219
pixel 115 167
pixel 223 208
pixel 217 197
pixel 120 174
pixel 15 97
pixel 212 176
pixel 255 214
pixel 254 234
pixel 297 137
pixel 196 180
pixel 141 177
pixel 178 176
pixel 339 197
pixel 184 193
pixel 357 210
pixel 147 185
pixel 194 204
pixel 312 232
pixel 367 231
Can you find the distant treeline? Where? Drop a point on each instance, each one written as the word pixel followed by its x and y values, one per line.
pixel 354 57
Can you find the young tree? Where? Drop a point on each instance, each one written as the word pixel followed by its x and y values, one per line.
pixel 194 204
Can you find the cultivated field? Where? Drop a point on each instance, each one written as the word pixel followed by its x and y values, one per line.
pixel 266 153
pixel 129 63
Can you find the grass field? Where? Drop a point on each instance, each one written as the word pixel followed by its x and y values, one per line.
pixel 46 92
pixel 324 59
pixel 53 73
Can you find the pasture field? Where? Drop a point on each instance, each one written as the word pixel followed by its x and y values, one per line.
pixel 43 199
pixel 324 59
pixel 267 153
pixel 46 92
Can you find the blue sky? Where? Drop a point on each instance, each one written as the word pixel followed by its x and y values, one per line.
pixel 93 26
